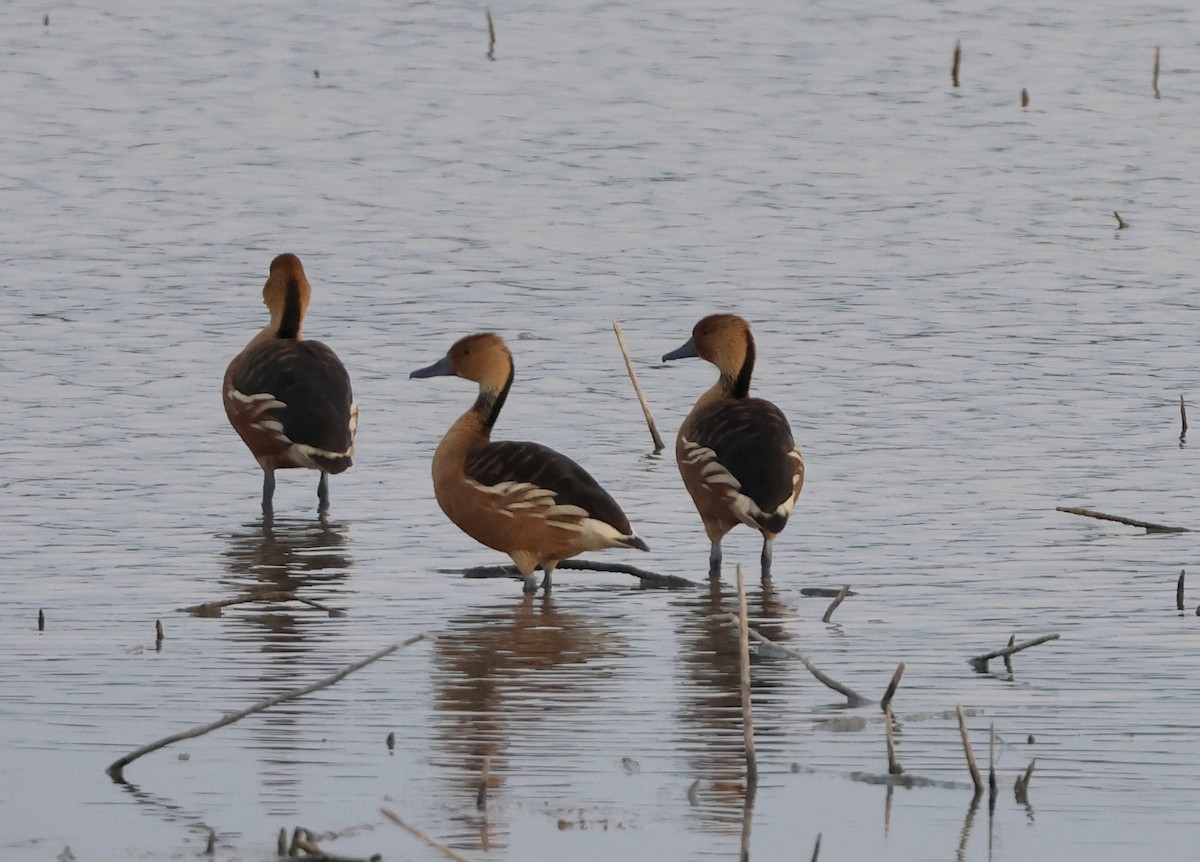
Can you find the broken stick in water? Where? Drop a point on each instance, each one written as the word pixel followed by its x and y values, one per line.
pixel 437 845
pixel 833 606
pixel 744 664
pixel 822 592
pixel 647 578
pixel 892 686
pixel 980 662
pixel 853 698
pixel 957 60
pixel 971 765
pixel 992 768
pixel 1179 591
pixel 637 388
pixel 894 767
pixel 116 769
pixel 1120 519
pixel 1021 786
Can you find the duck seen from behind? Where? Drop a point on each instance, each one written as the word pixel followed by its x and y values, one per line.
pixel 289 399
pixel 736 453
pixel 534 504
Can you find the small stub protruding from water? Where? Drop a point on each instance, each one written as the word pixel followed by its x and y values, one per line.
pixel 46 20
pixel 391 742
pixel 158 635
pixel 41 620
pixel 1024 98
pixel 1121 223
pixel 316 74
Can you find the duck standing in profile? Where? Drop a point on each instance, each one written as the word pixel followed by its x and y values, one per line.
pixel 534 504
pixel 289 399
pixel 736 453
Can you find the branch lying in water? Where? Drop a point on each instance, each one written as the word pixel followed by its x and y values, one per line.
pixel 980 662
pixel 1132 522
pixel 852 697
pixel 115 771
pixel 213 609
pixel 653 578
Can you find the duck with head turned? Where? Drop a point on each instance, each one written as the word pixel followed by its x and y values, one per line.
pixel 534 504
pixel 290 399
pixel 736 453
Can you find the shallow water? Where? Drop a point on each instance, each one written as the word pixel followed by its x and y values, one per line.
pixel 943 307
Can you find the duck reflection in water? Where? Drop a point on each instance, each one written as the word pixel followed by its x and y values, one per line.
pixel 285 555
pixel 710 718
pixel 508 684
pixel 281 561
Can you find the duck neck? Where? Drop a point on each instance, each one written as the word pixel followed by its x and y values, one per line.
pixel 291 314
pixel 490 401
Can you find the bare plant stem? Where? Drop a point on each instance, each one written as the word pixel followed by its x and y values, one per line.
pixel 116 769
pixel 971 764
pixel 637 388
pixel 894 767
pixel 833 606
pixel 892 686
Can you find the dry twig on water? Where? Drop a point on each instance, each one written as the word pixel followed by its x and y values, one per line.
pixel 992 768
pixel 980 662
pixel 413 830
pixel 892 686
pixel 971 765
pixel 894 767
pixel 637 388
pixel 823 592
pixel 647 578
pixel 116 769
pixel 744 665
pixel 1021 786
pixel 853 698
pixel 833 606
pixel 213 609
pixel 1120 519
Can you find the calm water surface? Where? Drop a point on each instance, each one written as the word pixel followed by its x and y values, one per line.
pixel 943 307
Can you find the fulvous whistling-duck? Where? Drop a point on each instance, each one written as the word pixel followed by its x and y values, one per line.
pixel 736 453
pixel 524 499
pixel 290 399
